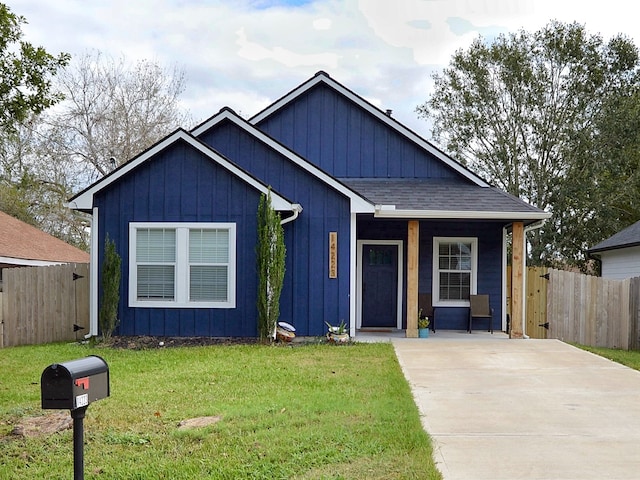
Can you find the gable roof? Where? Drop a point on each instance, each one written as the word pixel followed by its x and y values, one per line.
pixel 324 78
pixel 24 244
pixel 84 200
pixel 358 203
pixel 629 237
pixel 437 198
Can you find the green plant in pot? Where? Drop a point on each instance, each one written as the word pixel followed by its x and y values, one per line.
pixel 337 333
pixel 423 325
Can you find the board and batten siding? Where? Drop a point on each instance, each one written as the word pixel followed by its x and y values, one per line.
pixel 309 297
pixel 180 184
pixel 621 263
pixel 348 142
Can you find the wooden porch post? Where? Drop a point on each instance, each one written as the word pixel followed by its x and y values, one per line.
pixel 517 280
pixel 412 278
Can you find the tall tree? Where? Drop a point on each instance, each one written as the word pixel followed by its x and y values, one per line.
pixel 115 110
pixel 270 254
pixel 526 112
pixel 25 73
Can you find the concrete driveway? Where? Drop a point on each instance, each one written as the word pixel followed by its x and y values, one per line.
pixel 523 409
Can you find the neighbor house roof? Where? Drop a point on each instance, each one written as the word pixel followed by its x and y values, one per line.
pixel 441 198
pixel 24 244
pixel 629 237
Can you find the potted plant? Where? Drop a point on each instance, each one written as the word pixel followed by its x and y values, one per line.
pixel 337 334
pixel 423 325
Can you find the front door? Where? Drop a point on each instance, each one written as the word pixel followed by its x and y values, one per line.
pixel 379 285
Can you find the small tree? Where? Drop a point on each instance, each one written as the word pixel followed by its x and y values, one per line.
pixel 270 253
pixel 108 316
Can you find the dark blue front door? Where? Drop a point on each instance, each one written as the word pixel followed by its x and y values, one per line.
pixel 379 285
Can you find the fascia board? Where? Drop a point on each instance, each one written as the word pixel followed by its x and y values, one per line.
pixel 387 211
pixel 84 201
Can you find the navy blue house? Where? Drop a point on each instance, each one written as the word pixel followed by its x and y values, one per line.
pixel 373 214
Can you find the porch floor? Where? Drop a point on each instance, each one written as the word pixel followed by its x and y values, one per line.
pixel 381 335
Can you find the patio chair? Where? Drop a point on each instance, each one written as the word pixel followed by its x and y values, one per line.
pixel 428 310
pixel 479 308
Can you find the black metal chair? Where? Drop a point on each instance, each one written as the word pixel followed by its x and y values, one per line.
pixel 426 305
pixel 479 308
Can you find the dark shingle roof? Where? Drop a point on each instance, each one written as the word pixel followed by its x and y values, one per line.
pixel 629 237
pixel 438 195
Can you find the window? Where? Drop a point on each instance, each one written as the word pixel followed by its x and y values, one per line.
pixel 182 265
pixel 454 270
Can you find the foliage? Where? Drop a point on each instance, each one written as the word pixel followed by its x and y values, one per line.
pixel 108 315
pixel 530 111
pixel 301 412
pixel 629 358
pixel 114 110
pixel 339 329
pixel 25 73
pixel 270 255
pixel 423 321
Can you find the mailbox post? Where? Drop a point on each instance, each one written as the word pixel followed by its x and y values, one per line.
pixel 74 385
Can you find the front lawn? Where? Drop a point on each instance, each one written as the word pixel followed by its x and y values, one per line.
pixel 630 358
pixel 304 412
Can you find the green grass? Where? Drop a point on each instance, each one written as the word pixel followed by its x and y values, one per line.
pixel 630 358
pixel 306 412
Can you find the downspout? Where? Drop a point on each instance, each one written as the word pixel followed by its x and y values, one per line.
pixel 528 228
pixel 93 277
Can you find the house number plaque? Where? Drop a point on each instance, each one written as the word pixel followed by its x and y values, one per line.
pixel 333 254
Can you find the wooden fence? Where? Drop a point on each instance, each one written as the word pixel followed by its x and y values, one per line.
pixel 593 311
pixel 42 304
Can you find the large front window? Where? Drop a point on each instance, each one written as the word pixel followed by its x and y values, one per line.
pixel 182 265
pixel 454 270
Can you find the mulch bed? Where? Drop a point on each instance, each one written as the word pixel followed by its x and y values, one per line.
pixel 148 343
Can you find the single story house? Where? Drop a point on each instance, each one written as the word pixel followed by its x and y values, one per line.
pixel 23 245
pixel 619 254
pixel 373 215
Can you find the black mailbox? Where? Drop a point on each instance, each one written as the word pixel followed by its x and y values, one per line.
pixel 75 384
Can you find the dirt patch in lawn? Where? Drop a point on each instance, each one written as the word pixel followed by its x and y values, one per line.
pixel 40 425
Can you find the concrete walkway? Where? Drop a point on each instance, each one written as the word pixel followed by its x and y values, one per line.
pixel 523 409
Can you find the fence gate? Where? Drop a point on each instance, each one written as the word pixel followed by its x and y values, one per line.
pixel 536 301
pixel 44 304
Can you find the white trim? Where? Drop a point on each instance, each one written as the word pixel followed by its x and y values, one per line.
pixel 358 203
pixel 389 211
pixel 84 200
pixel 359 253
pixel 505 247
pixel 436 270
pixel 93 275
pixel 181 297
pixel 23 262
pixel 353 275
pixel 322 77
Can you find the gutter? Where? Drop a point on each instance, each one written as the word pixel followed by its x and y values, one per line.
pixel 297 210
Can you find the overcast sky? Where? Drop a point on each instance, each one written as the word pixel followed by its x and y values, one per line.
pixel 247 53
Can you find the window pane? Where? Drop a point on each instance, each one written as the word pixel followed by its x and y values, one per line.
pixel 209 246
pixel 155 245
pixel 455 286
pixel 156 282
pixel 208 283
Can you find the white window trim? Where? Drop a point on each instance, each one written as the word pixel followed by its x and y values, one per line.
pixel 436 270
pixel 181 297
